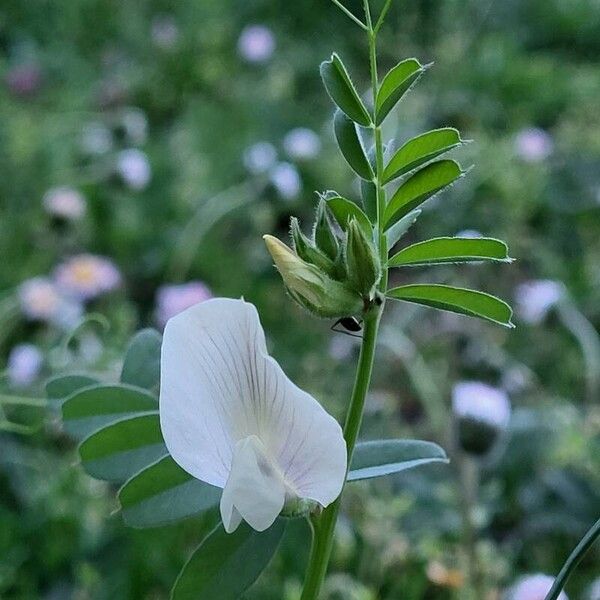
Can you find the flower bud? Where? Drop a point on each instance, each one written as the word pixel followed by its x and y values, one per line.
pixel 308 252
pixel 324 235
pixel 482 413
pixel 362 262
pixel 310 286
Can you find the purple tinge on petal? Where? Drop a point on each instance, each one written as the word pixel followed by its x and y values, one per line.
pixel 87 276
pixel 173 299
pixel 24 365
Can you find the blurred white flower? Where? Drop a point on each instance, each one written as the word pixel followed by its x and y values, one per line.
pixel 135 125
pixel 469 233
pixel 594 590
pixel 533 299
pixel 87 276
pixel 41 300
pixel 165 32
pixel 533 144
pixel 96 139
pixel 173 299
pixel 481 402
pixel 65 203
pixel 286 180
pixel 533 587
pixel 302 143
pixel 230 417
pixel 260 157
pixel 256 43
pixel 134 168
pixel 24 365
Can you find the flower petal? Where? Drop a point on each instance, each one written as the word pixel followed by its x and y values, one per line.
pixel 219 386
pixel 255 490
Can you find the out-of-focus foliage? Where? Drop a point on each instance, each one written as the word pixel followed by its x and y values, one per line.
pixel 168 137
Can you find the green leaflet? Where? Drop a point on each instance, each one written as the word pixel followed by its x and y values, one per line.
pixel 343 210
pixel 61 387
pixel 351 145
pixel 420 187
pixel 123 448
pixel 395 84
pixel 384 457
pixel 225 565
pixel 449 249
pixel 398 229
pixel 141 366
pixel 163 493
pixel 342 91
pixel 368 193
pixel 459 300
pixel 419 150
pixel 94 407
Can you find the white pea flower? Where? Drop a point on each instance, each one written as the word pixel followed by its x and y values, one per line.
pixel 231 417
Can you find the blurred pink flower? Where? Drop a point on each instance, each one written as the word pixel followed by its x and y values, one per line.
pixel 24 80
pixel 533 587
pixel 481 402
pixel 173 299
pixel 533 144
pixel 302 143
pixel 41 300
pixel 256 43
pixel 533 299
pixel 24 365
pixel 134 168
pixel 87 276
pixel 64 202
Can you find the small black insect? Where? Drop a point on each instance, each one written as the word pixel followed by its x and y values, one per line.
pixel 350 325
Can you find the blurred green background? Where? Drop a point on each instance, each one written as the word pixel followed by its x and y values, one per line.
pixel 145 145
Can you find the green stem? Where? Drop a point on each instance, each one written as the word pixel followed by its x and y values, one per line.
pixel 23 401
pixel 349 14
pixel 324 525
pixel 584 545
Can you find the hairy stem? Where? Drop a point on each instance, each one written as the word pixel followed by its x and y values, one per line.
pixel 324 525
